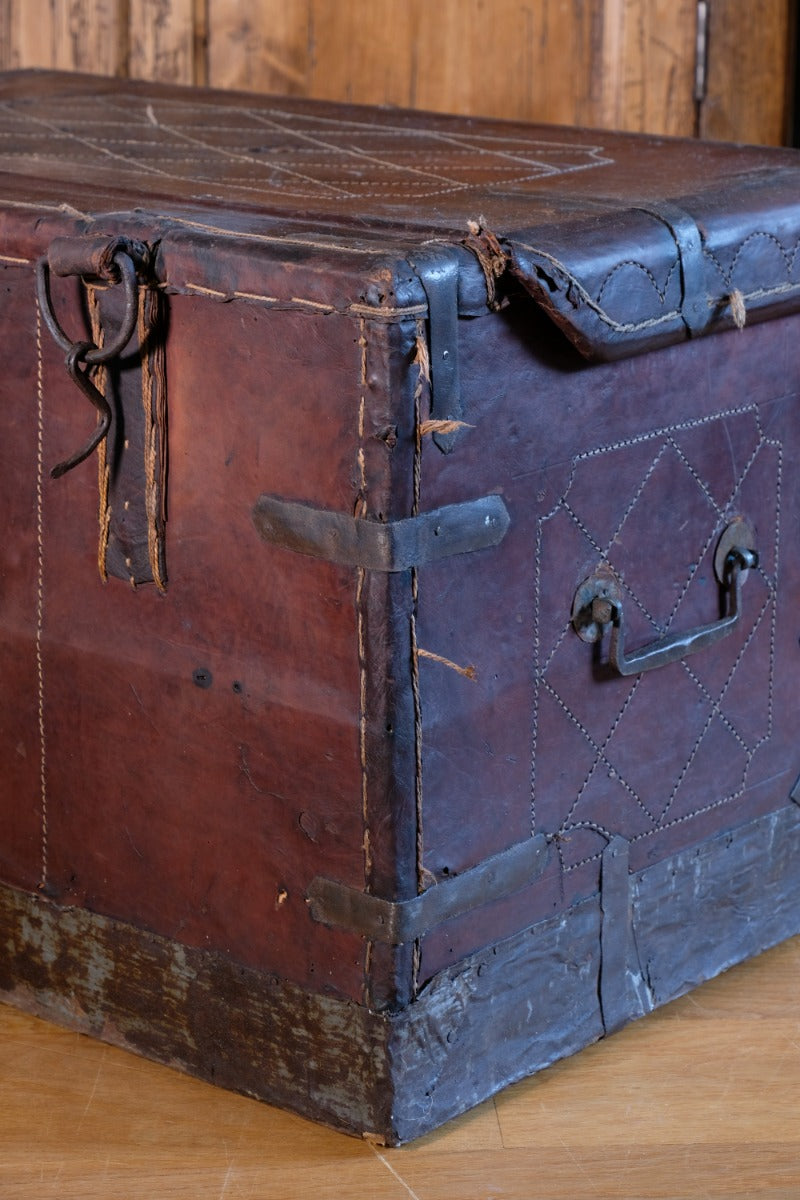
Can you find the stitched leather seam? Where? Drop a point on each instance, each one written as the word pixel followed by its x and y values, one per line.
pixel 40 596
pixel 632 262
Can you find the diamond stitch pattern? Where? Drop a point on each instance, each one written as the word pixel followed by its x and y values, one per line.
pixel 699 717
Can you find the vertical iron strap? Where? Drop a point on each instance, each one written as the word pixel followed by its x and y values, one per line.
pixel 438 273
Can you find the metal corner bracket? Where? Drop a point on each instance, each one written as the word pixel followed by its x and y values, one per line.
pixel 398 922
pixel 389 546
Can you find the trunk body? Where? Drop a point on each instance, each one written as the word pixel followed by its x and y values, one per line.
pixel 334 772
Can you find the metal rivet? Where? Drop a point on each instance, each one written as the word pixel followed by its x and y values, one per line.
pixel 202 677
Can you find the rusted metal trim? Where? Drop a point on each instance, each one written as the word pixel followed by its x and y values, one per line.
pixel 402 921
pixel 382 546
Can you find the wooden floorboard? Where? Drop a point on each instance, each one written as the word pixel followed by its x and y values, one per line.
pixel 700 1099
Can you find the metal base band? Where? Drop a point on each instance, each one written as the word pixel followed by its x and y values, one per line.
pixel 496 1017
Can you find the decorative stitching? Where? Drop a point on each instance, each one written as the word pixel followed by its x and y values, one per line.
pixel 776 556
pixel 600 752
pixel 632 262
pixel 603 553
pixel 360 310
pixel 412 171
pixel 651 322
pixel 703 487
pixel 575 283
pixel 731 728
pixel 714 709
pixel 663 431
pixel 540 681
pixel 40 594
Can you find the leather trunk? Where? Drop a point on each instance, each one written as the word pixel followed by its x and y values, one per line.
pixel 399 684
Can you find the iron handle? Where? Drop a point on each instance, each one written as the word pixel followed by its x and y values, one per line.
pixel 115 262
pixel 598 605
pixel 95 355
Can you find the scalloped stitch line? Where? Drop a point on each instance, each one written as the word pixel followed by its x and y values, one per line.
pixel 617 326
pixel 788 257
pixel 651 322
pixel 632 262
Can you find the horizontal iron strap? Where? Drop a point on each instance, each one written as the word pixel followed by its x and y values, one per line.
pixel 401 921
pixel 378 545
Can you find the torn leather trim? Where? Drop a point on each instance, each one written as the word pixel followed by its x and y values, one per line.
pixel 382 546
pixel 439 273
pixel 403 921
pixel 622 279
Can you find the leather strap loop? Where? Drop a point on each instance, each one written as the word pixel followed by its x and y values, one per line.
pixel 695 310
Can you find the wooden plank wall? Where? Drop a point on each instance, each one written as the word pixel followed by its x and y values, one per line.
pixel 625 64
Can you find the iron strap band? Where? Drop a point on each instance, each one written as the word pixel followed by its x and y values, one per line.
pixel 398 922
pixel 382 546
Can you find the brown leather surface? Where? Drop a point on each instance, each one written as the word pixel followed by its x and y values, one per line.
pixel 202 812
pixel 580 213
pixel 20 842
pixel 296 326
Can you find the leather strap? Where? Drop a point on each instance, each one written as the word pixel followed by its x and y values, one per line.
pixel 695 310
pixel 438 273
